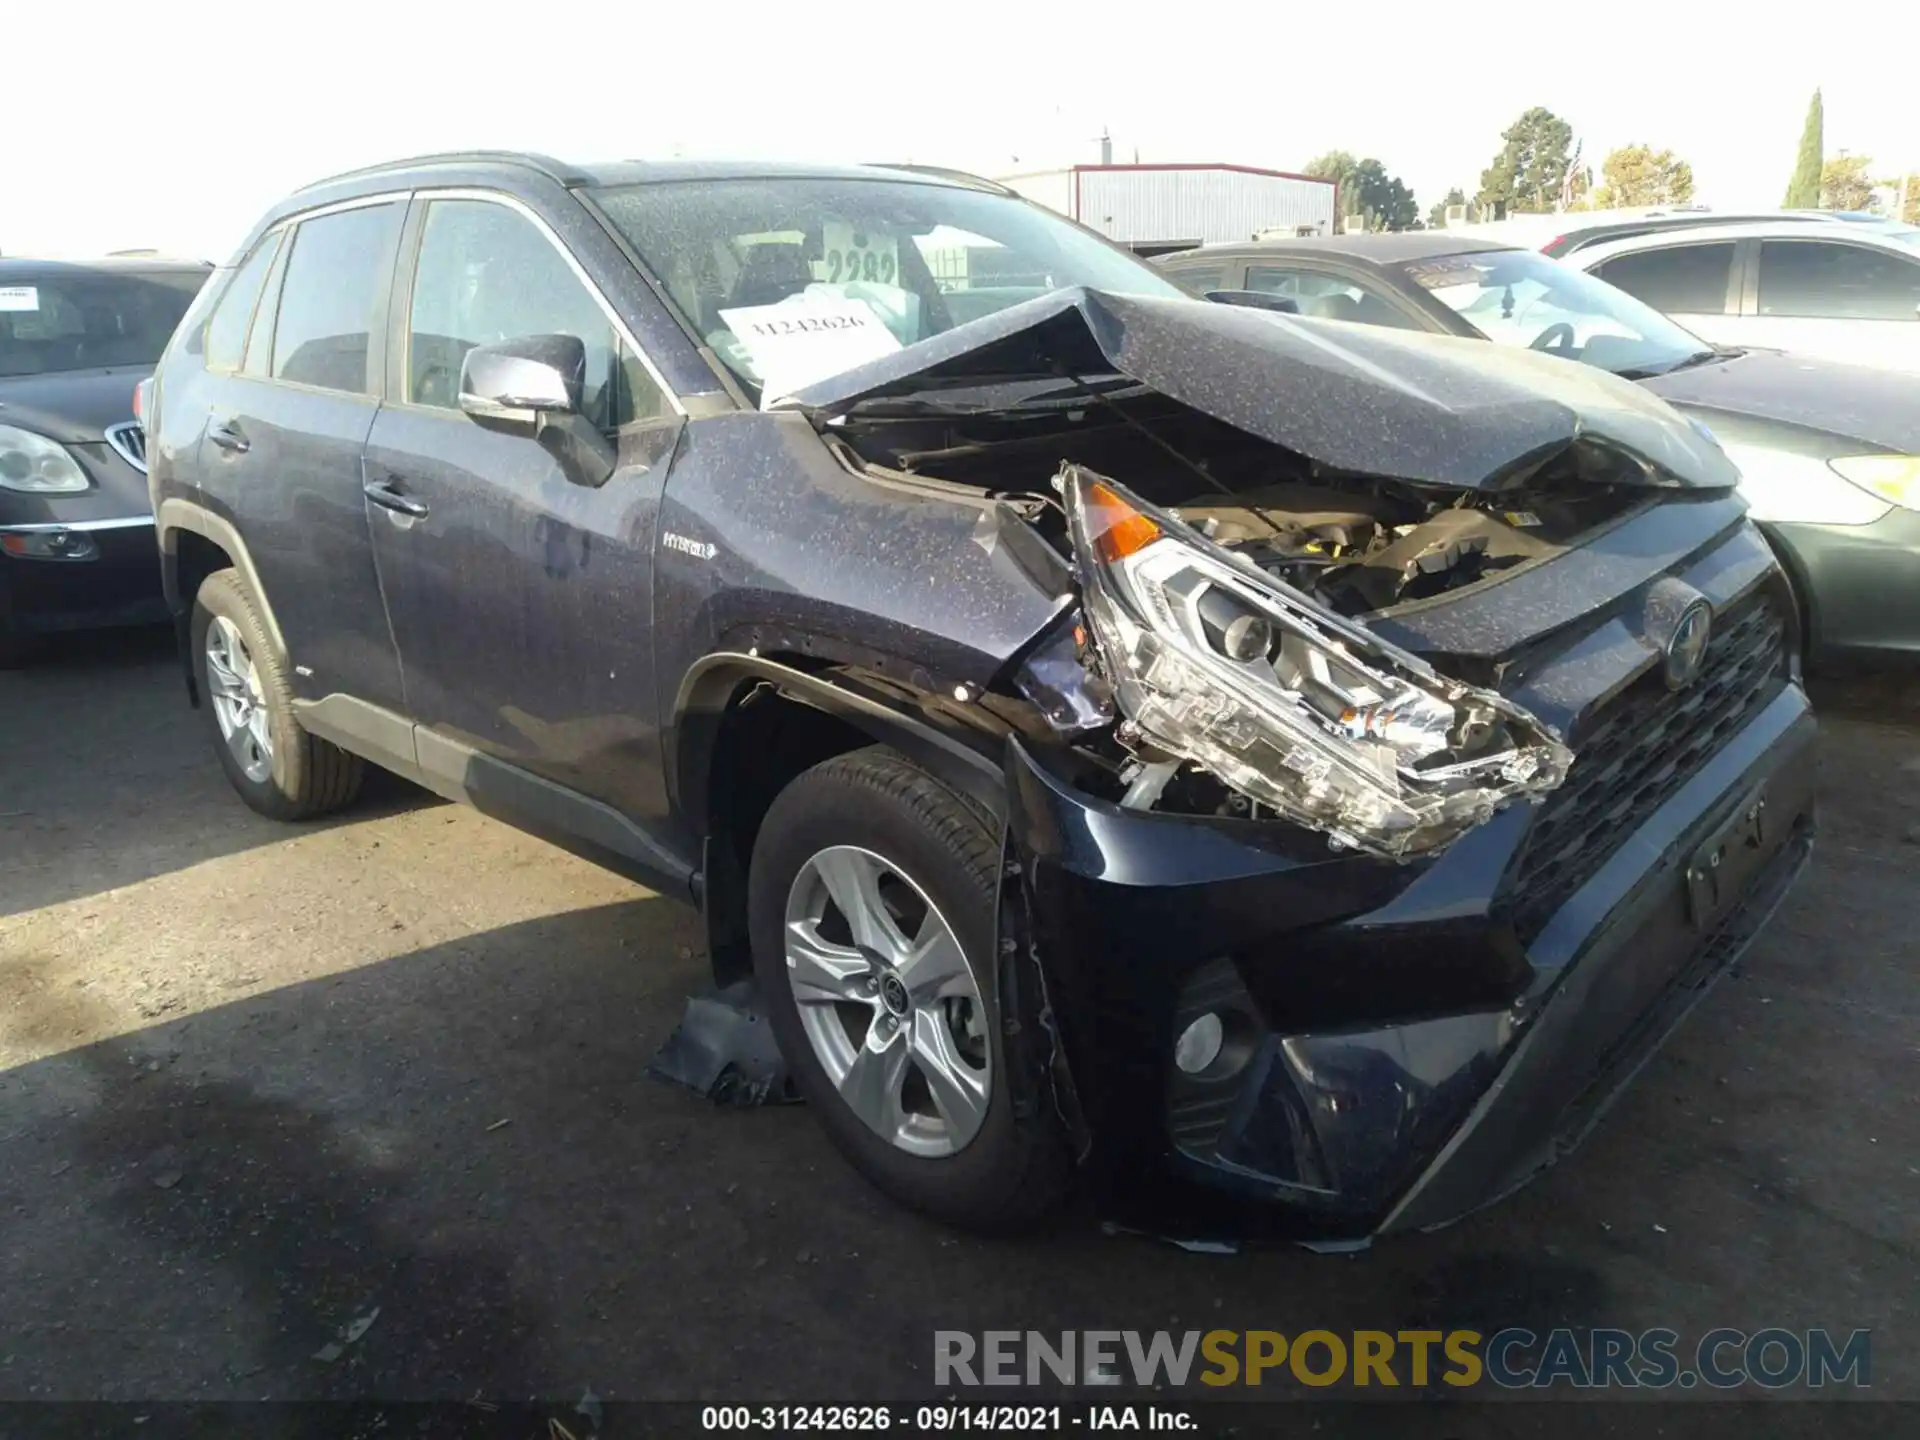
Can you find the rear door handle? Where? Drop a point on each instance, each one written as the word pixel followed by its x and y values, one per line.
pixel 228 437
pixel 382 493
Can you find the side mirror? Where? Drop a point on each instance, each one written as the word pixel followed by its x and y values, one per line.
pixel 1255 300
pixel 536 385
pixel 517 380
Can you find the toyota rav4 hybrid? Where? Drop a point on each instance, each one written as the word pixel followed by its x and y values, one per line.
pixel 1283 776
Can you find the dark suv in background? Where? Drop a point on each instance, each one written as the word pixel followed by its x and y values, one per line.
pixel 1289 773
pixel 76 531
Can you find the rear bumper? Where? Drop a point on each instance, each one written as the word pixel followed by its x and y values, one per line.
pixel 1393 1055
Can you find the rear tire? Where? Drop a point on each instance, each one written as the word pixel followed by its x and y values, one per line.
pixel 273 764
pixel 935 1146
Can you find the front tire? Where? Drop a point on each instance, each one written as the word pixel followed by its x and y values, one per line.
pixel 871 901
pixel 272 762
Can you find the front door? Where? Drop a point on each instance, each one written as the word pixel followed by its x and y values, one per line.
pixel 293 385
pixel 521 599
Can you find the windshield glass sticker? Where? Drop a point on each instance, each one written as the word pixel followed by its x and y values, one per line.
pixel 807 337
pixel 847 254
pixel 19 297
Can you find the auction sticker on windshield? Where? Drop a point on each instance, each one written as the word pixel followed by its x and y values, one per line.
pixel 807 338
pixel 19 297
pixel 847 254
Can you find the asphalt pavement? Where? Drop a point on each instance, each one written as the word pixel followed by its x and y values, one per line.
pixel 261 1082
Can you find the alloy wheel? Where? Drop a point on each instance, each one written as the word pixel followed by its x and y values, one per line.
pixel 239 703
pixel 888 1001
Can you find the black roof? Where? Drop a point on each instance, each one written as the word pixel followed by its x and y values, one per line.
pixel 641 172
pixel 1379 248
pixel 21 267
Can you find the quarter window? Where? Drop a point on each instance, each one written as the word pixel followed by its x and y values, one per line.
pixel 487 274
pixel 227 330
pixel 1678 279
pixel 1837 282
pixel 323 333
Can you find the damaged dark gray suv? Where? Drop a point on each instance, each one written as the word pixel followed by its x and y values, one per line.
pixel 1281 775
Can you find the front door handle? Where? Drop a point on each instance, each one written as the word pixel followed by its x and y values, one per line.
pixel 228 437
pixel 382 493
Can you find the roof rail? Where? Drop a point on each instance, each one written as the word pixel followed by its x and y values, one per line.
pixel 545 164
pixel 945 172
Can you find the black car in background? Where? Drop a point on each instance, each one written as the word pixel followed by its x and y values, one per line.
pixel 1291 774
pixel 76 527
pixel 1829 454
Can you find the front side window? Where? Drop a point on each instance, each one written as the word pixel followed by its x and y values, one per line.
pixel 1675 279
pixel 1522 298
pixel 1329 297
pixel 1806 278
pixel 227 330
pixel 72 318
pixel 894 260
pixel 323 333
pixel 487 274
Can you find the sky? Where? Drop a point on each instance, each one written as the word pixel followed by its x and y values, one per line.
pixel 175 126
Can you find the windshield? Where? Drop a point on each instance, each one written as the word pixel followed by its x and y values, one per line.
pixel 90 319
pixel 792 280
pixel 1522 298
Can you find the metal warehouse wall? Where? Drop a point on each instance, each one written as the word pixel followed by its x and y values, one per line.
pixel 1051 188
pixel 1211 204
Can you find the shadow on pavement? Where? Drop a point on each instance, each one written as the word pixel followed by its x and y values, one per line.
pixel 108 777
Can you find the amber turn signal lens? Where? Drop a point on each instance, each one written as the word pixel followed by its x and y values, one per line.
pixel 1115 528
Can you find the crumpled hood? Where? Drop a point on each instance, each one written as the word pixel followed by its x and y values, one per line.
pixel 1878 409
pixel 73 407
pixel 1428 409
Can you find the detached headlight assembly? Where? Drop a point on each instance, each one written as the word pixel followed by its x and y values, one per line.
pixel 37 465
pixel 1299 709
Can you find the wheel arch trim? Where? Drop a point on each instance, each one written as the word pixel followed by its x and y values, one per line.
pixel 176 514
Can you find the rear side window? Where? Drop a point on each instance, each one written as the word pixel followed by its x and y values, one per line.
pixel 1837 282
pixel 1329 297
pixel 336 272
pixel 1199 279
pixel 1679 279
pixel 227 330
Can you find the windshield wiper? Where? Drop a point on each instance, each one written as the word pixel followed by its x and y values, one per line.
pixel 1055 394
pixel 1685 362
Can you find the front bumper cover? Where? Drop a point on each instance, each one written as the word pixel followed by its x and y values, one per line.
pixel 1395 1057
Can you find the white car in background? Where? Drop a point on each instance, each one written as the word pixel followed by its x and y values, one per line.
pixel 1841 292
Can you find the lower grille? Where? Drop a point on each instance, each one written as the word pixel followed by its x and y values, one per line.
pixel 1644 746
pixel 129 442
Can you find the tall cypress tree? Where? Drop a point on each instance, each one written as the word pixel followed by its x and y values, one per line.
pixel 1803 191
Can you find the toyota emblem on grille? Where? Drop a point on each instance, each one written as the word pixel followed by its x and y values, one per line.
pixel 1688 646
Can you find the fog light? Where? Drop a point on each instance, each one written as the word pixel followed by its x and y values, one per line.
pixel 49 545
pixel 1199 1044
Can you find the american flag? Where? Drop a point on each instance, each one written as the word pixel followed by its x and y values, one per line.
pixel 1573 171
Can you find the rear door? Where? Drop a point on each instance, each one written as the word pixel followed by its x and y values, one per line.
pixel 293 380
pixel 1697 285
pixel 521 598
pixel 1842 301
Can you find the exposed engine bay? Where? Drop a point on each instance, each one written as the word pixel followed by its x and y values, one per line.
pixel 1225 583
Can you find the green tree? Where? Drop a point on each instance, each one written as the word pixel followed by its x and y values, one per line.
pixel 1845 184
pixel 1367 189
pixel 1641 175
pixel 1437 217
pixel 1526 175
pixel 1803 190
